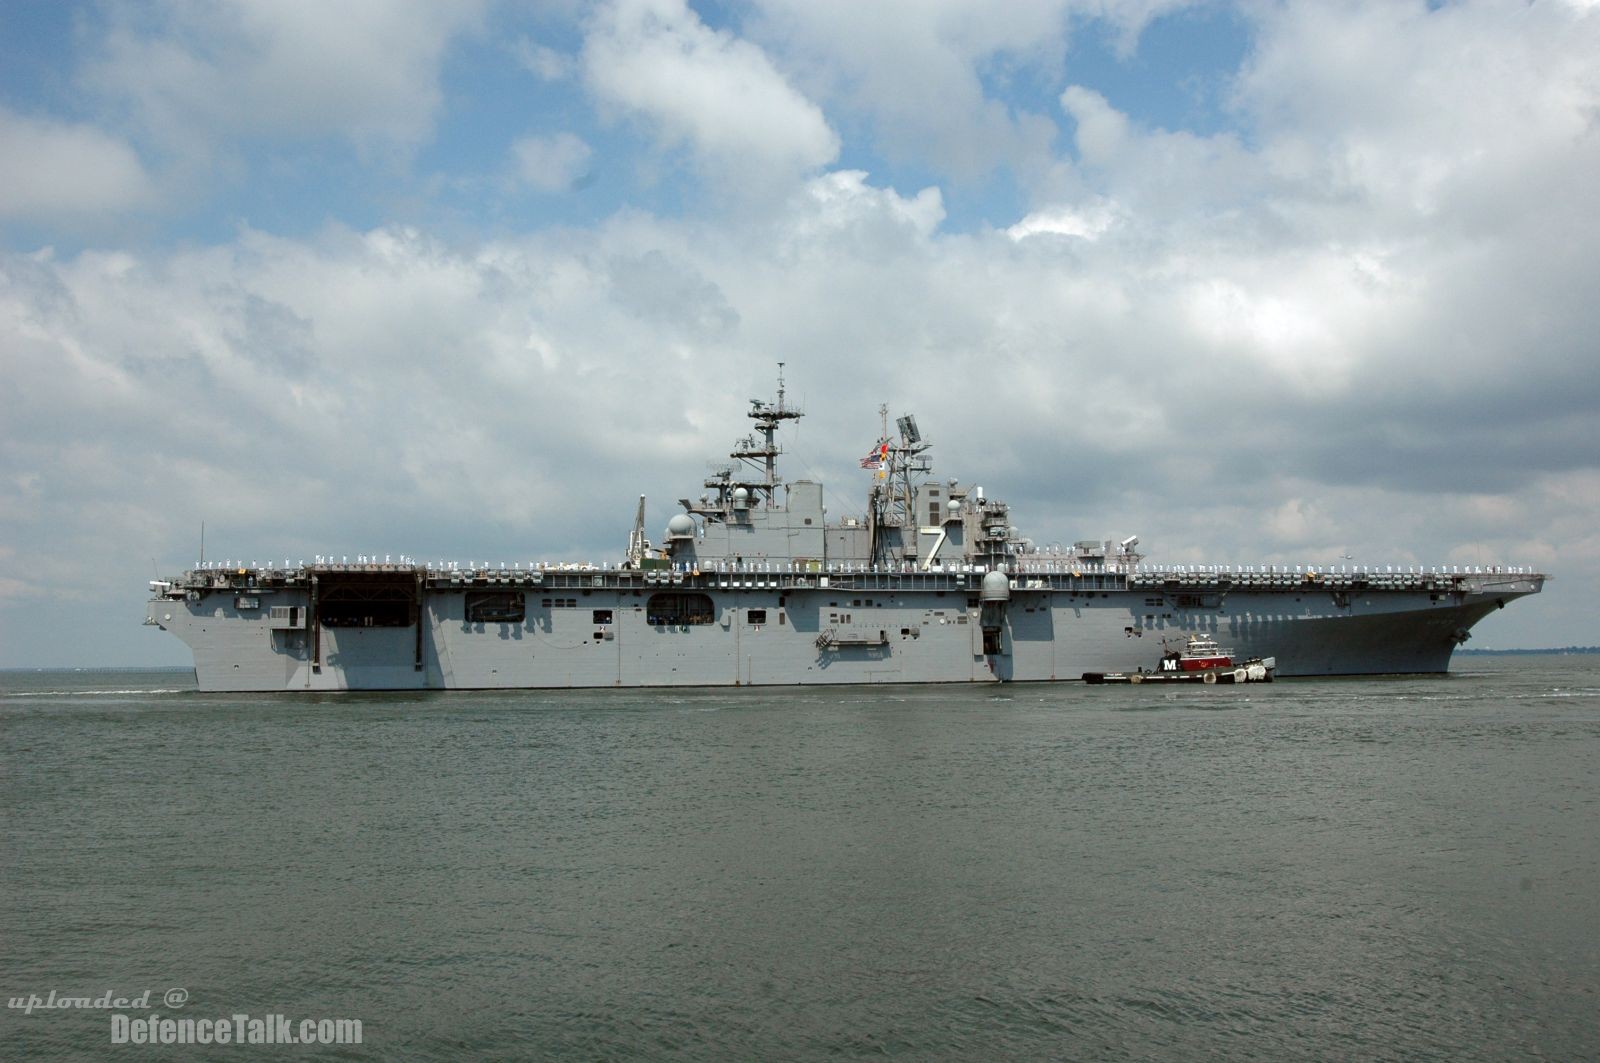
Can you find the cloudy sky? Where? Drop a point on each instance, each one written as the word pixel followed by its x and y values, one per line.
pixel 1258 281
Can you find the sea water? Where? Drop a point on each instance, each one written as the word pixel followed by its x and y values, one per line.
pixel 1402 868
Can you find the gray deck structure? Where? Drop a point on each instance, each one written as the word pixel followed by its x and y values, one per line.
pixel 752 586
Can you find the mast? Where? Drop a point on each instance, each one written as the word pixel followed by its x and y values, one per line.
pixel 893 502
pixel 761 449
pixel 767 417
pixel 875 492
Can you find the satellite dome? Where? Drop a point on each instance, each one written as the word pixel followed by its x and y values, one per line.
pixel 997 586
pixel 741 498
pixel 680 526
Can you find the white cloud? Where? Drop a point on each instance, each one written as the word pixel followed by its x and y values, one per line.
pixel 365 69
pixel 53 169
pixel 544 62
pixel 1414 207
pixel 551 164
pixel 844 201
pixel 1423 113
pixel 913 69
pixel 917 69
pixel 1157 173
pixel 1308 319
pixel 1086 222
pixel 716 94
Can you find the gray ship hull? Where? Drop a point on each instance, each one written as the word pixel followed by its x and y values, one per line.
pixel 604 629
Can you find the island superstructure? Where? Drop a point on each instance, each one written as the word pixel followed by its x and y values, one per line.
pixel 752 585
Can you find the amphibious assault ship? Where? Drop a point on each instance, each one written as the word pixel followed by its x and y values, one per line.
pixel 752 585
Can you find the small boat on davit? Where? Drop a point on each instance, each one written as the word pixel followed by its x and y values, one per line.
pixel 1200 660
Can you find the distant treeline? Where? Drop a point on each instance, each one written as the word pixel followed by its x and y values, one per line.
pixel 1555 649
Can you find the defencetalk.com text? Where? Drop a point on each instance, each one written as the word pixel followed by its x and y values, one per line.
pixel 235 1029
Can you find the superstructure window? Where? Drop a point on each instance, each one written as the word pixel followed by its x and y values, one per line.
pixel 676 608
pixel 496 607
pixel 756 616
pixel 602 616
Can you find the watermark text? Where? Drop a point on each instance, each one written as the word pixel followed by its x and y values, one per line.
pixel 107 1001
pixel 233 1030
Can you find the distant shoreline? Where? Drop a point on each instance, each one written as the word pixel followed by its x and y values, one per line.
pixel 1555 651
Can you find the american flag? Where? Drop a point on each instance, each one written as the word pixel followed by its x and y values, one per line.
pixel 876 457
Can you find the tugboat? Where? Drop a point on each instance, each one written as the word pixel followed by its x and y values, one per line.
pixel 1200 660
